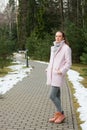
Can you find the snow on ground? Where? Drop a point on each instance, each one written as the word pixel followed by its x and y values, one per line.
pixel 80 94
pixel 20 71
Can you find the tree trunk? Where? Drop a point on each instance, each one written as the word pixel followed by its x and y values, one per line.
pixel 62 14
pixel 83 12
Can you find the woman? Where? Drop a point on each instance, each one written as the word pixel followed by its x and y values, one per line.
pixel 60 62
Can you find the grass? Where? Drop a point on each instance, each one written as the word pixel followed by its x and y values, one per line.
pixel 82 69
pixel 4 71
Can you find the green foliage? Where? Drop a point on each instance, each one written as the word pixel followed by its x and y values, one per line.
pixel 21 23
pixel 4 62
pixel 40 22
pixel 39 48
pixel 39 19
pixel 41 16
pixel 31 16
pixel 76 40
pixel 47 17
pixel 6 50
pixel 83 57
pixel 31 41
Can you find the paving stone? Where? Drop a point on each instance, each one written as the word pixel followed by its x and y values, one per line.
pixel 27 105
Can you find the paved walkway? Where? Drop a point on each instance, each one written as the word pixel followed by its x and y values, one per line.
pixel 27 105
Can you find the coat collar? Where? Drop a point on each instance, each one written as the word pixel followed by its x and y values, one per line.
pixel 60 47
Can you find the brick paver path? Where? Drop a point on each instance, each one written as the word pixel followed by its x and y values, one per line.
pixel 27 105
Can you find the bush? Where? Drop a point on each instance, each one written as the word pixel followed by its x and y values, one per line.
pixel 6 50
pixel 39 48
pixel 83 57
pixel 76 40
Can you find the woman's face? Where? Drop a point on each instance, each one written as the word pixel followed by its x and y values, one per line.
pixel 59 37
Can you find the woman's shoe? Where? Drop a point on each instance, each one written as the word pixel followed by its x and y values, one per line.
pixel 60 119
pixel 56 116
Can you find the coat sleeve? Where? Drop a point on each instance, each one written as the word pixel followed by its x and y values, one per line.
pixel 68 61
pixel 51 59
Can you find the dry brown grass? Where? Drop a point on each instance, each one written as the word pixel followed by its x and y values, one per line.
pixel 4 71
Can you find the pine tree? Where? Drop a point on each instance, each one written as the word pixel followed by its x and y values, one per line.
pixel 22 16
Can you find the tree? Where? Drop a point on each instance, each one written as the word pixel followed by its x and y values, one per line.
pixel 6 47
pixel 10 16
pixel 31 16
pixel 62 14
pixel 47 16
pixel 22 16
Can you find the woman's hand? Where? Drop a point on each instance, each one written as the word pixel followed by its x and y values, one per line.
pixel 59 72
pixel 46 70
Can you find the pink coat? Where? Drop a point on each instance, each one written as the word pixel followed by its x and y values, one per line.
pixel 60 60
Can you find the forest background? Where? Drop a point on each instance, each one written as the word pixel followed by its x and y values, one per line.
pixel 31 25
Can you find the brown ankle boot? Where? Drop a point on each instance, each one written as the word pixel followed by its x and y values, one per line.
pixel 56 115
pixel 60 119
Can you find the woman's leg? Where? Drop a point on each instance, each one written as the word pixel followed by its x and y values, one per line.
pixel 55 97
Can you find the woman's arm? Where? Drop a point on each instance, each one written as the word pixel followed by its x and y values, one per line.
pixel 68 62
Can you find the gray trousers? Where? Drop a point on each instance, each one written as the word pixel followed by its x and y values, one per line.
pixel 55 96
